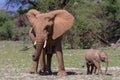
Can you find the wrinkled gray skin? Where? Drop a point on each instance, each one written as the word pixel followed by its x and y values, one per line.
pixel 93 58
pixel 46 35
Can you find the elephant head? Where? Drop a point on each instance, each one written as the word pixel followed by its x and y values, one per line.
pixel 54 24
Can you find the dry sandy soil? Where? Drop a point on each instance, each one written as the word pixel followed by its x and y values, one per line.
pixel 10 73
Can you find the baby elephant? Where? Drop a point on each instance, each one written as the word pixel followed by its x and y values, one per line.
pixel 93 58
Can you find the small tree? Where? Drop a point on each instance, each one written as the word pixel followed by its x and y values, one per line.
pixel 6 25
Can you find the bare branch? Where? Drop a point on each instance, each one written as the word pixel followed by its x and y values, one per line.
pixel 101 39
pixel 118 41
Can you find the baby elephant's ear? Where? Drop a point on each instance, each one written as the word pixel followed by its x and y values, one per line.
pixel 62 23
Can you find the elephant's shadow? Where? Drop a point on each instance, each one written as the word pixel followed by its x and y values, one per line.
pixel 109 74
pixel 76 73
pixel 68 73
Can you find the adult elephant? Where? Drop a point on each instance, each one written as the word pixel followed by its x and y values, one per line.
pixel 46 34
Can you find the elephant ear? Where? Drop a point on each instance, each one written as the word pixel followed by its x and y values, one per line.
pixel 33 12
pixel 62 23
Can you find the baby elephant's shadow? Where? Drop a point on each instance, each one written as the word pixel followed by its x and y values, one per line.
pixel 108 74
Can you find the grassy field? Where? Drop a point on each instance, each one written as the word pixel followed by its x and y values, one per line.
pixel 15 64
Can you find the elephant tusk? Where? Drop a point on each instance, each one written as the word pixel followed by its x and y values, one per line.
pixel 45 44
pixel 34 43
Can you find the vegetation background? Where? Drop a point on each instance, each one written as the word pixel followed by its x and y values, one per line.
pixel 97 22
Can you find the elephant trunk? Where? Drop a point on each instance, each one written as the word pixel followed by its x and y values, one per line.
pixel 106 66
pixel 39 46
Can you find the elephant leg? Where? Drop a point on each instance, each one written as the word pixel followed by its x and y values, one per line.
pixel 94 70
pixel 61 69
pixel 97 64
pixel 59 54
pixel 34 67
pixel 42 63
pixel 49 59
pixel 92 67
pixel 88 68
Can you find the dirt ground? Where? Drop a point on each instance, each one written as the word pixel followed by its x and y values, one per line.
pixel 10 73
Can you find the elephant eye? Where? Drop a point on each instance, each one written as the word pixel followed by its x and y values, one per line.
pixel 46 28
pixel 34 15
pixel 28 15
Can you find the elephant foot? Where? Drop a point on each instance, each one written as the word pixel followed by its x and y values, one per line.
pixel 32 71
pixel 62 73
pixel 43 73
pixel 49 72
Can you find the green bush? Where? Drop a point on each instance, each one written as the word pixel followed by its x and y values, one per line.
pixel 6 25
pixel 8 29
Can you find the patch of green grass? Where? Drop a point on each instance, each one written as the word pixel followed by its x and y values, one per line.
pixel 72 58
pixel 107 78
pixel 10 54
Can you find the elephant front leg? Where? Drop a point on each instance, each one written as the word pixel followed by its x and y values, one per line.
pixel 34 67
pixel 42 63
pixel 61 69
pixel 97 64
pixel 94 70
pixel 48 68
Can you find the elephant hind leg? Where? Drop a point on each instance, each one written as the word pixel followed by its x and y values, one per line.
pixel 59 54
pixel 92 68
pixel 61 67
pixel 88 68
